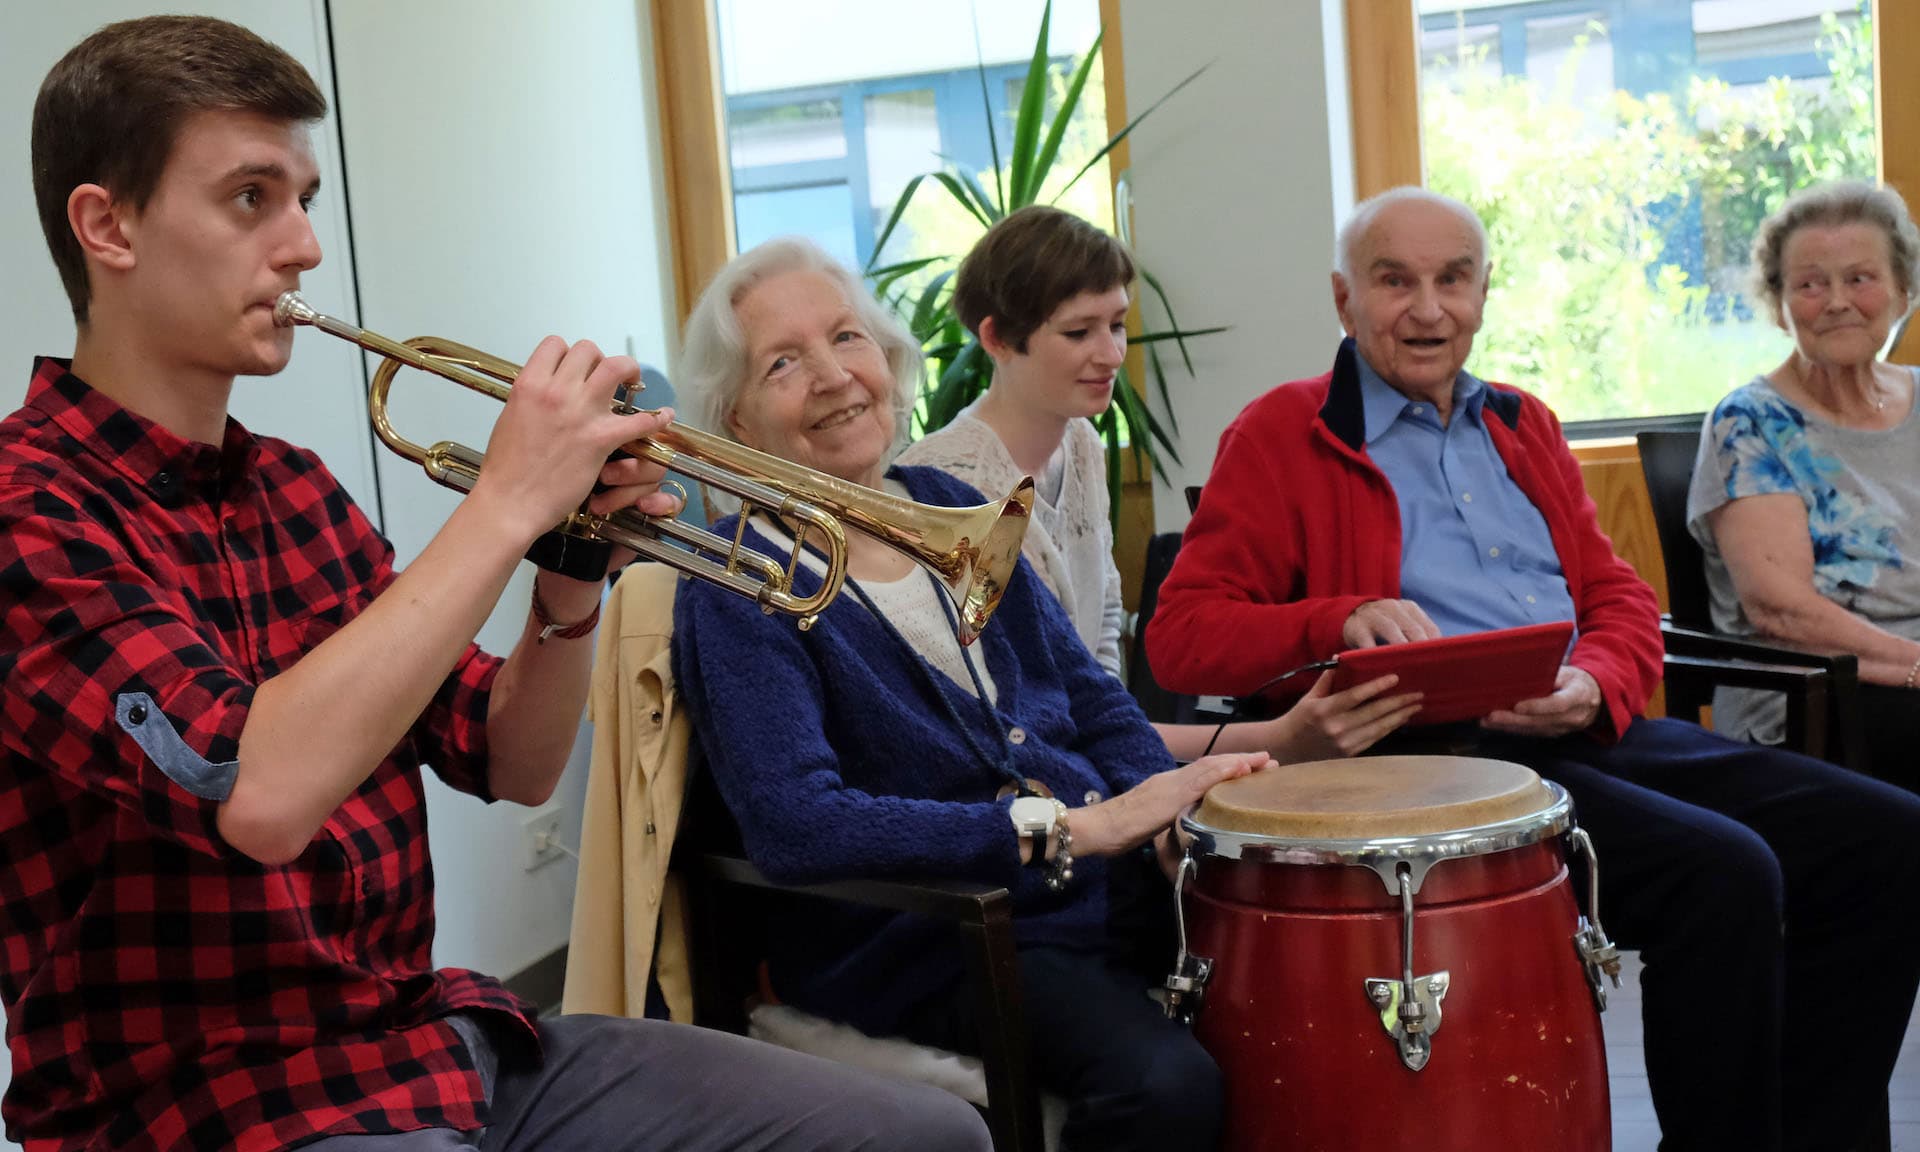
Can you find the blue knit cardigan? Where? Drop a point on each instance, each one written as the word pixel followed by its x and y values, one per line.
pixel 839 761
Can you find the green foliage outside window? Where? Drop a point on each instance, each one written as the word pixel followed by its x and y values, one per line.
pixel 1591 303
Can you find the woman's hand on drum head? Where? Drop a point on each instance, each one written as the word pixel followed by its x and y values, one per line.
pixel 1329 725
pixel 1143 811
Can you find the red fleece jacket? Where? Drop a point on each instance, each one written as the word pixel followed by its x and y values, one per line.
pixel 1297 527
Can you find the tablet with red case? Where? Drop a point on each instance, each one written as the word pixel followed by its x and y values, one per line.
pixel 1464 677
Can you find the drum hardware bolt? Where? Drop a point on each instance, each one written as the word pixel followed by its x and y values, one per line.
pixel 1187 985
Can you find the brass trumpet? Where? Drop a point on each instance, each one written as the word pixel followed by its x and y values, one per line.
pixel 972 551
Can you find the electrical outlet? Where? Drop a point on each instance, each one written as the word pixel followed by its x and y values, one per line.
pixel 540 839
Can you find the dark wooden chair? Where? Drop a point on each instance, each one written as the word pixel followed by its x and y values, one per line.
pixel 1823 712
pixel 1162 705
pixel 729 899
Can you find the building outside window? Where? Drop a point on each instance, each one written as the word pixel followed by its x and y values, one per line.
pixel 1622 153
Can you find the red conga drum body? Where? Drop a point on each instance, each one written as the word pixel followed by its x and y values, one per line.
pixel 1296 899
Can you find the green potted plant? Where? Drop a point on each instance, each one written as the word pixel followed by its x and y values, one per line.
pixel 919 289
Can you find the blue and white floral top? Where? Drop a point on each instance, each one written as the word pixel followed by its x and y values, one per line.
pixel 1861 489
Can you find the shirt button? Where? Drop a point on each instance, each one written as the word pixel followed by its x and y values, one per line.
pixel 1529 599
pixel 1017 736
pixel 366 886
pixel 137 714
pixel 1419 409
pixel 1466 497
pixel 649 827
pixel 1493 551
pixel 655 717
pixel 1092 797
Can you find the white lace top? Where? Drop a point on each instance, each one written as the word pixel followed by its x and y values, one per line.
pixel 1070 542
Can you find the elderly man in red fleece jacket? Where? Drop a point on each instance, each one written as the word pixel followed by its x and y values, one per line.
pixel 1399 498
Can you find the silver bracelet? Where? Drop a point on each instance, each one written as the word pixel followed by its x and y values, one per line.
pixel 1060 864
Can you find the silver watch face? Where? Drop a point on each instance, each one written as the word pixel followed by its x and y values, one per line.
pixel 1032 813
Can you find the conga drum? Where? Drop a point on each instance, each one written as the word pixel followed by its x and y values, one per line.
pixel 1387 953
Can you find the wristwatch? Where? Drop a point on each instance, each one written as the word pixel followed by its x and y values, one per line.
pixel 1034 819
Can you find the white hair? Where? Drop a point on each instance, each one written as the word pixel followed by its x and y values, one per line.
pixel 1367 210
pixel 713 353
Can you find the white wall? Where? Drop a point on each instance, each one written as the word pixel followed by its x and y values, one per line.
pixel 502 190
pixel 1237 184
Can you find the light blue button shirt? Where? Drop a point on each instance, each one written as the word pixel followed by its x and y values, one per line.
pixel 1474 551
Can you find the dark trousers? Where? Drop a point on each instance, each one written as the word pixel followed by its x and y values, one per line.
pixel 1891 717
pixel 1771 897
pixel 1132 1079
pixel 609 1085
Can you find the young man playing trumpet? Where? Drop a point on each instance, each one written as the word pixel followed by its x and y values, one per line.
pixel 216 926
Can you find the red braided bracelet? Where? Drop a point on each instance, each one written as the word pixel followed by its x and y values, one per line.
pixel 564 631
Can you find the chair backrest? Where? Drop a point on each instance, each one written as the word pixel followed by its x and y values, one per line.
pixel 1666 460
pixel 1160 705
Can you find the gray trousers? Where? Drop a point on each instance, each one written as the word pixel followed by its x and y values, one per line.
pixel 611 1085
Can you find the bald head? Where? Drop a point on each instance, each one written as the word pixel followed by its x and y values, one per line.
pixel 1354 232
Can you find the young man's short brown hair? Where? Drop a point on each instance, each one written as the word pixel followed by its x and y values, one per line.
pixel 1029 264
pixel 109 111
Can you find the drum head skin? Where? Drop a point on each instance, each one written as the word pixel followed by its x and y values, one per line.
pixel 1375 797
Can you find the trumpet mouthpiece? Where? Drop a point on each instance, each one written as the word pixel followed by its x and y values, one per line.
pixel 290 309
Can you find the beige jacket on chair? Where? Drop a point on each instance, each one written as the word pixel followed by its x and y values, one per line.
pixel 629 915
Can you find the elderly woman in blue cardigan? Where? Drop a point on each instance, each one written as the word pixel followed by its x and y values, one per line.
pixel 875 745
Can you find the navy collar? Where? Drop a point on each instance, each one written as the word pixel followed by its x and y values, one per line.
pixel 1345 415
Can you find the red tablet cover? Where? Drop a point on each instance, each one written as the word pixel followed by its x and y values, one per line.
pixel 1464 677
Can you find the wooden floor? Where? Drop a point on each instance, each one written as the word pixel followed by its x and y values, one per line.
pixel 1634 1128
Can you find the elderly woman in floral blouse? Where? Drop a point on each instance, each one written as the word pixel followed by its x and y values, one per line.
pixel 1806 493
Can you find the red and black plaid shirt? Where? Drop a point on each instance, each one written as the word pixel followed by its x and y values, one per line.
pixel 163 990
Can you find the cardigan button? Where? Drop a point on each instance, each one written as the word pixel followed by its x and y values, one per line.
pixel 1091 798
pixel 1017 736
pixel 655 716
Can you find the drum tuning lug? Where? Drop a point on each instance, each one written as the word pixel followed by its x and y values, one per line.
pixel 1187 986
pixel 1410 1019
pixel 1597 953
pixel 1600 958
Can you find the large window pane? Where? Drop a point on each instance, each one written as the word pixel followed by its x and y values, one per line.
pixel 860 96
pixel 903 140
pixel 796 132
pixel 1622 155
